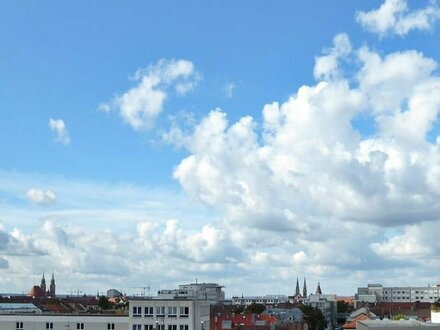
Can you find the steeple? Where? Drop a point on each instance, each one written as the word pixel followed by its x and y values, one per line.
pixel 43 284
pixel 297 293
pixel 305 289
pixel 52 287
pixel 318 289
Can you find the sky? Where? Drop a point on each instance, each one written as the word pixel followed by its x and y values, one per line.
pixel 247 143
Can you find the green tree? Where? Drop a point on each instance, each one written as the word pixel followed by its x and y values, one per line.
pixel 399 317
pixel 255 308
pixel 238 309
pixel 103 303
pixel 314 317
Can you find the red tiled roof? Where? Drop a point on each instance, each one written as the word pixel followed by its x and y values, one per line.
pixel 36 291
pixel 352 324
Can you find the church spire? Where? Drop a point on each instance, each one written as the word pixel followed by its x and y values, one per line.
pixel 318 289
pixel 43 284
pixel 297 293
pixel 52 287
pixel 305 288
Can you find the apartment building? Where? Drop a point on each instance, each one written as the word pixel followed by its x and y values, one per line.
pixel 62 322
pixel 168 314
pixel 378 293
pixel 265 300
pixel 212 292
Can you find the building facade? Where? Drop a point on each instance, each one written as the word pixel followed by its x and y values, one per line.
pixel 63 322
pixel 169 314
pixel 201 291
pixel 378 293
pixel 327 304
pixel 264 300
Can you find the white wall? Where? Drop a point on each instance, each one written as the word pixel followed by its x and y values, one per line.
pixel 435 317
pixel 63 322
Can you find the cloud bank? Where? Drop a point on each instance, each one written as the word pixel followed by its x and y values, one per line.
pixel 308 169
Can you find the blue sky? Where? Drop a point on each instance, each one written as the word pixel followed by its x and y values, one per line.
pixel 220 176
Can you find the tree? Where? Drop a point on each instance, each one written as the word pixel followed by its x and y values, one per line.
pixel 238 309
pixel 255 308
pixel 103 303
pixel 399 317
pixel 314 317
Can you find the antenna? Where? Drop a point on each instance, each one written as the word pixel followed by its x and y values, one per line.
pixel 144 289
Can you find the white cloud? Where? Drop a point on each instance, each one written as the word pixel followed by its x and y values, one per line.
pixel 60 129
pixel 394 17
pixel 312 176
pixel 39 196
pixel 326 67
pixel 142 104
pixel 277 194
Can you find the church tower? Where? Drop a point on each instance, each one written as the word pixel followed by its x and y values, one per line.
pixel 43 284
pixel 305 289
pixel 318 289
pixel 297 293
pixel 52 287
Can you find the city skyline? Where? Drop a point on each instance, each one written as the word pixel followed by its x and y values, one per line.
pixel 239 143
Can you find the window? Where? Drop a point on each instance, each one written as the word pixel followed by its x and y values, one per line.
pixel 137 311
pixel 137 327
pixel 172 327
pixel 80 326
pixel 149 311
pixel 172 311
pixel 161 327
pixel 49 325
pixel 160 310
pixel 19 325
pixel 148 327
pixel 184 327
pixel 110 326
pixel 184 311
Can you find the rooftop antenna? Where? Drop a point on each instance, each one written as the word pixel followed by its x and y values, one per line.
pixel 144 289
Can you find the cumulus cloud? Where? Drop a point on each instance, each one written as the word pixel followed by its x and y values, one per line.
pixel 326 67
pixel 60 129
pixel 39 196
pixel 307 169
pixel 394 18
pixel 142 104
pixel 314 161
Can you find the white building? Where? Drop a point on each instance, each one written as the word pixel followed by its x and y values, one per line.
pixel 265 300
pixel 327 304
pixel 395 325
pixel 201 291
pixel 398 294
pixel 62 322
pixel 169 314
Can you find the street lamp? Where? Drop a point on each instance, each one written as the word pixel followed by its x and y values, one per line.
pixel 157 326
pixel 201 324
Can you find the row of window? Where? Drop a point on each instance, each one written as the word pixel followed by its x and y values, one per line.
pixel 161 327
pixel 160 311
pixel 408 292
pixel 407 297
pixel 79 326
